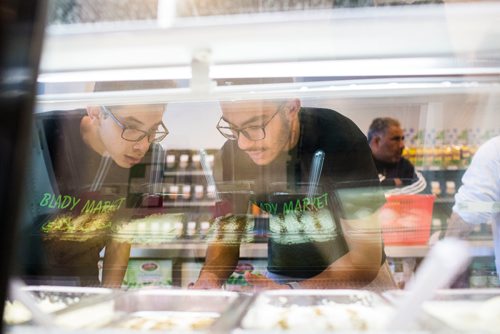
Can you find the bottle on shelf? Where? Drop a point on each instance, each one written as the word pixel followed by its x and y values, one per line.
pixel 436 188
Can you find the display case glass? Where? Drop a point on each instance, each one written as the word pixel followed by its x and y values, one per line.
pixel 223 145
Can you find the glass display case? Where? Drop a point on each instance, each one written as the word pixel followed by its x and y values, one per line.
pixel 222 145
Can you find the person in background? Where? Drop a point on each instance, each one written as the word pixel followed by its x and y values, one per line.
pixel 386 140
pixel 478 198
pixel 89 156
pixel 271 141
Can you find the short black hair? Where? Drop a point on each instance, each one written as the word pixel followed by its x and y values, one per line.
pixel 379 126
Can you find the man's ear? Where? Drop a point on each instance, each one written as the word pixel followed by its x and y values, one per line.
pixel 94 113
pixel 293 108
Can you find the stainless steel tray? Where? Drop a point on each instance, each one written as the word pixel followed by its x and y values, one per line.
pixel 449 294
pixel 471 311
pixel 53 299
pixel 158 309
pixel 461 310
pixel 315 311
pixel 180 310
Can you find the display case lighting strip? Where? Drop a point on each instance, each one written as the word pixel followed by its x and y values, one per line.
pixel 350 89
pixel 416 67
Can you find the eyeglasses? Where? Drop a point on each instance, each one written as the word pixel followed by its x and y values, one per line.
pixel 253 133
pixel 135 135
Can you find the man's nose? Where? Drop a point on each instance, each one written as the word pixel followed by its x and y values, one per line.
pixel 244 143
pixel 142 145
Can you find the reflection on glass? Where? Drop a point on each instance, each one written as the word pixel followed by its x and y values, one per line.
pixel 233 222
pixel 302 230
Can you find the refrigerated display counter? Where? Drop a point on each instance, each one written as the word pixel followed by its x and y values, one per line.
pixel 440 79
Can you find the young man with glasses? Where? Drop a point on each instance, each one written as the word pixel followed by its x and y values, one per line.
pixel 274 141
pixel 90 158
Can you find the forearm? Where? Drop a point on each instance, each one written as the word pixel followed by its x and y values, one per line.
pixel 342 274
pixel 115 263
pixel 361 264
pixel 457 227
pixel 220 262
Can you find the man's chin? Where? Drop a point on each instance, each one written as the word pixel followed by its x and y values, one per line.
pixel 258 157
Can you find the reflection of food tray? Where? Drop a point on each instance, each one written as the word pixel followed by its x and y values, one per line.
pixel 76 228
pixel 152 229
pixel 232 229
pixel 464 310
pixel 141 309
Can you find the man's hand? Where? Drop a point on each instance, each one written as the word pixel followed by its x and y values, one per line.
pixel 261 282
pixel 206 281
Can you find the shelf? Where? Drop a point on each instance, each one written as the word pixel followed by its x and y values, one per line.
pixel 192 249
pixel 444 200
pixel 185 173
pixel 477 248
pixel 188 204
pixel 443 170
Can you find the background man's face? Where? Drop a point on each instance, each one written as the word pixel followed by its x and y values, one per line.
pixel 256 113
pixel 143 117
pixel 390 146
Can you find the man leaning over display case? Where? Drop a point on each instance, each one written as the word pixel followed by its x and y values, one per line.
pixel 90 156
pixel 272 142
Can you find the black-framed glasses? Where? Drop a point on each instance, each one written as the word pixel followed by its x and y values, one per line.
pixel 253 133
pixel 135 135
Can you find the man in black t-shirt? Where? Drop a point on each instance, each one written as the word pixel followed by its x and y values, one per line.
pixel 386 140
pixel 90 156
pixel 273 142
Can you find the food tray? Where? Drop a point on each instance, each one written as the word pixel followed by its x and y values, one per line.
pixel 162 309
pixel 53 299
pixel 315 311
pixel 462 310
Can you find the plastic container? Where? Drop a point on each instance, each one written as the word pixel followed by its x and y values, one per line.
pixel 406 219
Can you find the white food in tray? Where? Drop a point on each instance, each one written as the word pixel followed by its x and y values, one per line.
pixel 467 315
pixel 329 316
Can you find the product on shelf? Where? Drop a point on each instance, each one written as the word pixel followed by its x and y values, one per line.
pixel 173 191
pixel 195 160
pixel 186 191
pixel 435 188
pixel 450 188
pixel 211 191
pixel 199 191
pixel 183 161
pixel 147 273
pixel 171 159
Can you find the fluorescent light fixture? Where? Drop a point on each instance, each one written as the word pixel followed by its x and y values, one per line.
pixel 331 68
